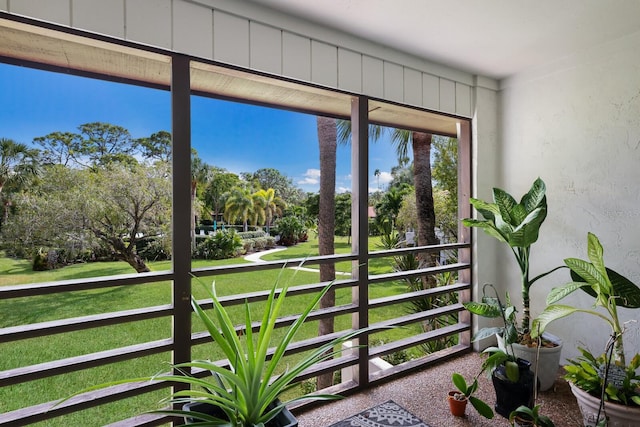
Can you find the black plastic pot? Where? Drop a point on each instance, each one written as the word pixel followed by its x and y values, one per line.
pixel 284 419
pixel 509 394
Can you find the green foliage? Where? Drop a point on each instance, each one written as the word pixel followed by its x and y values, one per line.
pixel 468 391
pixel 586 372
pixel 39 262
pixel 517 225
pixel 593 277
pixel 291 230
pixel 343 214
pixel 246 389
pixel 223 244
pixel 531 416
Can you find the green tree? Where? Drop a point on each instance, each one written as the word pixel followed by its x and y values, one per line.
pixel 200 173
pixel 18 167
pixel 60 148
pixel 119 213
pixel 445 176
pixel 390 203
pixel 343 214
pixel 217 188
pixel 269 204
pixel 156 147
pixel 281 184
pixel 105 143
pixel 239 206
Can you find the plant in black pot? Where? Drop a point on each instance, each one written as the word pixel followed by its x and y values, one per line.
pixel 606 386
pixel 246 393
pixel 512 378
pixel 518 225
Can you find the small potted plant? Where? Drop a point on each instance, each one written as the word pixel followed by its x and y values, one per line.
pixel 458 399
pixel 606 387
pixel 518 225
pixel 523 416
pixel 511 376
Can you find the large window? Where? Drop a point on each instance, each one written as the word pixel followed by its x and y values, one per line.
pixel 130 181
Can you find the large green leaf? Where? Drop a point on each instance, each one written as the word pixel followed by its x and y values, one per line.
pixel 487 333
pixel 460 383
pixel 482 408
pixel 550 314
pixel 487 210
pixel 526 233
pixel 505 203
pixel 556 294
pixel 483 309
pixel 535 197
pixel 589 273
pixel 487 226
pixel 626 293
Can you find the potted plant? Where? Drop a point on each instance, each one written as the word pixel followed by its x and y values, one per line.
pixel 518 225
pixel 606 386
pixel 523 416
pixel 511 376
pixel 246 392
pixel 458 399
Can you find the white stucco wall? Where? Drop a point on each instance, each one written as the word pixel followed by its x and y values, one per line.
pixel 576 124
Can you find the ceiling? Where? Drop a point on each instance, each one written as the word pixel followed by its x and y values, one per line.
pixel 494 38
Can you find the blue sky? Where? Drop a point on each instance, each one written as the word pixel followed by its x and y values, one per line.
pixel 237 137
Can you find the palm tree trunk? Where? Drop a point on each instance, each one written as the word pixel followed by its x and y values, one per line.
pixel 327 140
pixel 424 198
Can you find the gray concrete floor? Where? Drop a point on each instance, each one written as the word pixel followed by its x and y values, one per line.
pixel 424 394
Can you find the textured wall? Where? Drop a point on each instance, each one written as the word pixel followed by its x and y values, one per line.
pixel 576 124
pixel 248 35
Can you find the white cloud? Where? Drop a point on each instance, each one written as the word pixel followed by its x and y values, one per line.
pixel 343 190
pixel 384 177
pixel 311 177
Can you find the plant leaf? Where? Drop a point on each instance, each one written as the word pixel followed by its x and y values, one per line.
pixel 482 408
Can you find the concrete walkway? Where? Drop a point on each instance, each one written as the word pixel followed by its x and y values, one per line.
pixel 257 258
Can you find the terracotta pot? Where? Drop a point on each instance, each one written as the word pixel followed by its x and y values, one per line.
pixel 456 406
pixel 618 415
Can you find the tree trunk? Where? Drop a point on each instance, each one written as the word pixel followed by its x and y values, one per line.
pixel 125 252
pixel 327 141
pixel 193 215
pixel 424 199
pixel 136 262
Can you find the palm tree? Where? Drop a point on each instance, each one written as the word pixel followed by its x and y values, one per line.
pixel 18 165
pixel 239 205
pixel 271 204
pixel 377 175
pixel 200 173
pixel 327 141
pixel 421 149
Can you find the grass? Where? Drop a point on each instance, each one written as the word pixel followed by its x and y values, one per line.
pixel 22 311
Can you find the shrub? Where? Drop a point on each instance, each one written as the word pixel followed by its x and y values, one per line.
pixel 290 229
pixel 223 244
pixel 251 234
pixel 154 249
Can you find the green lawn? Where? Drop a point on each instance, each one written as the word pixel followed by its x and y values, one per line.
pixel 71 304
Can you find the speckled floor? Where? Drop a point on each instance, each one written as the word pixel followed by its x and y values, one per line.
pixel 423 393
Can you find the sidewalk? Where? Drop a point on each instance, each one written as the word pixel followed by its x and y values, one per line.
pixel 257 258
